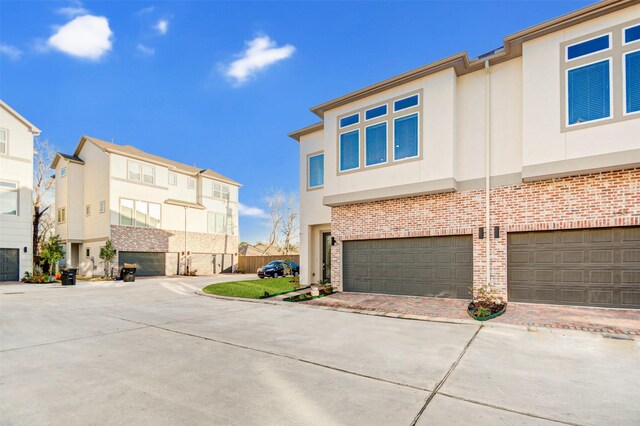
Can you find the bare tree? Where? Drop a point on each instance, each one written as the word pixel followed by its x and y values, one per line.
pixel 276 202
pixel 290 224
pixel 43 180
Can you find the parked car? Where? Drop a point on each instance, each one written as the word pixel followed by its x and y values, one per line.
pixel 278 268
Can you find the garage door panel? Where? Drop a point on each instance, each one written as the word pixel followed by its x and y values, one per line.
pixel 148 264
pixel 9 264
pixel 424 266
pixel 588 267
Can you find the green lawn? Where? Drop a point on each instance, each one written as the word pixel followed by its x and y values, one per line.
pixel 251 289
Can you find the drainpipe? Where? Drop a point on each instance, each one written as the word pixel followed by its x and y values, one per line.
pixel 186 269
pixel 487 173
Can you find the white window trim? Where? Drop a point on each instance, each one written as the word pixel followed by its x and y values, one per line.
pixel 62 210
pixel 87 210
pixel 624 83
pixel 191 183
pixel 379 116
pixel 393 104
pixel 143 174
pixel 626 43
pixel 347 116
pixel 386 144
pixel 340 169
pixel 63 172
pixel 17 191
pixel 133 218
pixel 102 206
pixel 140 172
pixel 393 138
pixel 566 88
pixel 566 48
pixel 6 141
pixel 175 175
pixel 309 171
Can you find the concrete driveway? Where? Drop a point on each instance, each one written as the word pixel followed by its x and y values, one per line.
pixel 152 352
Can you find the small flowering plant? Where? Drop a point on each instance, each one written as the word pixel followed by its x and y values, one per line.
pixel 486 303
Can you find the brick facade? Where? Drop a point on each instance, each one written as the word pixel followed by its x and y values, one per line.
pixel 589 201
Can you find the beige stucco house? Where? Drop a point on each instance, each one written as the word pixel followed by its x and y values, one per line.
pixel 520 168
pixel 164 216
pixel 16 189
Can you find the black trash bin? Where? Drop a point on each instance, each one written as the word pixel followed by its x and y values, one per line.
pixel 69 276
pixel 128 273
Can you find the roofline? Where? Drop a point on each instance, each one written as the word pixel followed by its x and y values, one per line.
pixel 13 112
pixel 461 63
pixel 57 158
pixel 305 131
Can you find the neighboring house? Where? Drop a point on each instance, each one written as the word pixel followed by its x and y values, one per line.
pixel 143 203
pixel 392 191
pixel 16 190
pixel 260 249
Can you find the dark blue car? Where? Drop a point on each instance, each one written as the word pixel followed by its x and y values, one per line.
pixel 278 268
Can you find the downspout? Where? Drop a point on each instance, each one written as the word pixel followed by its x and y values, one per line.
pixel 487 173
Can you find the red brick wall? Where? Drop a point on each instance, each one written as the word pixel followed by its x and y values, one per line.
pixel 589 201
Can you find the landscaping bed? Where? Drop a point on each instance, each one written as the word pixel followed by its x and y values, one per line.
pixel 254 289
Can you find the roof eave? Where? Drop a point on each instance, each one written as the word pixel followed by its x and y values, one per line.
pixel 17 115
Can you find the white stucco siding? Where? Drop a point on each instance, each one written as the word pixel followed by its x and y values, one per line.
pixel 75 201
pixel 61 197
pixel 96 190
pixel 16 166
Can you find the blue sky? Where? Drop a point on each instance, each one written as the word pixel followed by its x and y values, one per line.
pixel 220 84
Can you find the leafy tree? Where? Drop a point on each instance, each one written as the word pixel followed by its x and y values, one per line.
pixel 107 254
pixel 52 252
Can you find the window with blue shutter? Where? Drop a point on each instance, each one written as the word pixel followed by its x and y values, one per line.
pixel 588 47
pixel 376 144
pixel 316 171
pixel 589 92
pixel 632 81
pixel 350 150
pixel 405 139
pixel 632 34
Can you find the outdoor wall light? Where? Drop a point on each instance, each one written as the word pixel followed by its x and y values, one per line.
pixel 333 241
pixel 25 249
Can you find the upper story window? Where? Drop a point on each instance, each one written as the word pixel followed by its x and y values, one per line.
pixel 4 141
pixel 589 92
pixel 139 213
pixel 61 215
pixel 8 198
pixel 216 223
pixel 148 174
pixel 173 178
pixel 191 183
pixel 632 82
pixel 316 171
pixel 133 171
pixel 349 120
pixel 390 132
pixel 631 34
pixel 103 206
pixel 138 172
pixel 589 47
pixel 63 172
pixel 220 191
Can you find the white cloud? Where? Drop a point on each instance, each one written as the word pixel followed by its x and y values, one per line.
pixel 244 210
pixel 145 10
pixel 11 52
pixel 145 50
pixel 162 26
pixel 261 52
pixel 84 37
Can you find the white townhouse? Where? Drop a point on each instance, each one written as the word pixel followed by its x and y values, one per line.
pixel 520 168
pixel 16 189
pixel 164 216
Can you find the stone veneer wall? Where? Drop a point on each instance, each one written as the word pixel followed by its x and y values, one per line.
pixel 589 201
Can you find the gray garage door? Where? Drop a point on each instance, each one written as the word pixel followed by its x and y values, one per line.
pixel 588 267
pixel 429 266
pixel 9 265
pixel 149 264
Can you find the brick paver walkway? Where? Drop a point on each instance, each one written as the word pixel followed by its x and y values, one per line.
pixel 619 321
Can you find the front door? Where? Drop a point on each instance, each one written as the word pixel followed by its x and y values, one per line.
pixel 326 256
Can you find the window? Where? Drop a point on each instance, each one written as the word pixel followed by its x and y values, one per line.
pixel 148 174
pixel 61 216
pixel 589 92
pixel 8 198
pixel 216 223
pixel 103 206
pixel 350 120
pixel 588 47
pixel 154 215
pixel 375 144
pixel 405 138
pixel 375 112
pixel 4 136
pixel 316 171
pixel 631 34
pixel 141 214
pixel 225 192
pixel 133 171
pixel 230 228
pixel 405 103
pixel 173 179
pixel 88 252
pixel 350 150
pixel 191 183
pixel 63 172
pixel 126 212
pixel 220 191
pixel 87 210
pixel 632 82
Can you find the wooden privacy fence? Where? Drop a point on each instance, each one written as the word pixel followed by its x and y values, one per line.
pixel 250 264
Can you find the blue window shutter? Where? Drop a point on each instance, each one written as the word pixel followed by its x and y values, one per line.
pixel 632 34
pixel 350 150
pixel 632 81
pixel 589 92
pixel 316 171
pixel 376 144
pixel 587 47
pixel 405 143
